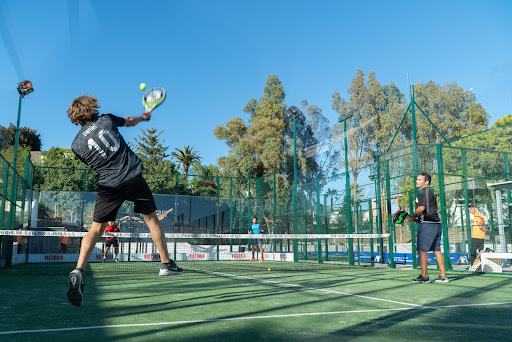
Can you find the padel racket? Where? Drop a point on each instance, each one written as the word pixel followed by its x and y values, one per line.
pixel 153 98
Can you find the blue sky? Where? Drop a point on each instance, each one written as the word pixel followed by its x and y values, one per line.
pixel 214 56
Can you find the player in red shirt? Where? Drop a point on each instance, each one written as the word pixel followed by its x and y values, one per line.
pixel 112 241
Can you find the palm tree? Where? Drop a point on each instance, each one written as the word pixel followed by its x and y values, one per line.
pixel 186 157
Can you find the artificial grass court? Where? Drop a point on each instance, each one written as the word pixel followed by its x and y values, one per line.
pixel 338 303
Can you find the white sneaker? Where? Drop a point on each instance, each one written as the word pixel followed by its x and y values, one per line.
pixel 76 281
pixel 170 269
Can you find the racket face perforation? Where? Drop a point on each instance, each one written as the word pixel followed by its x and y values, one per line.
pixel 153 97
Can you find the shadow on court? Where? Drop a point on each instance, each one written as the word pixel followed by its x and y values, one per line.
pixel 40 303
pixel 267 306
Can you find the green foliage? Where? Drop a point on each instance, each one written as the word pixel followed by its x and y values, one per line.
pixel 27 138
pixel 451 109
pixel 8 154
pixel 260 143
pixel 265 143
pixel 61 170
pixel 186 157
pixel 503 121
pixel 152 153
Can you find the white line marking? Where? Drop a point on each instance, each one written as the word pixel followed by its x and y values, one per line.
pixel 243 318
pixel 311 288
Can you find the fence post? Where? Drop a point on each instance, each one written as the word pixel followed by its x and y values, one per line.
pixel 318 223
pixel 414 227
pixel 390 224
pixel 442 199
pixel 466 198
pixel 379 211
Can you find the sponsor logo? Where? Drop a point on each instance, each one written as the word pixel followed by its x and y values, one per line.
pixel 151 256
pixel 108 257
pixel 53 257
pixel 237 256
pixel 196 256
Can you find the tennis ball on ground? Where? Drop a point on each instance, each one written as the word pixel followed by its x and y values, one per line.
pixel 142 86
pixel 269 269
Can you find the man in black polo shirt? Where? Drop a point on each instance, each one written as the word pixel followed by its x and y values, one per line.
pixel 100 146
pixel 429 233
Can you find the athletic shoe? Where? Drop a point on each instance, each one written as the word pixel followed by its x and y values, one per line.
pixel 103 259
pixel 117 260
pixel 261 260
pixel 442 279
pixel 170 269
pixel 252 259
pixel 421 279
pixel 76 281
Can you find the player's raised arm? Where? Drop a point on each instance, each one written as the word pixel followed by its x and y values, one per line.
pixel 130 121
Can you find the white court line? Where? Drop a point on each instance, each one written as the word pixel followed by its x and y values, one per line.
pixel 311 288
pixel 243 318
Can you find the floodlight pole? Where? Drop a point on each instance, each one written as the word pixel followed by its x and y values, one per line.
pixel 17 139
pixel 347 193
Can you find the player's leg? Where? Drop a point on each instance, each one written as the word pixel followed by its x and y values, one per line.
pixel 89 242
pixel 440 257
pixel 261 251
pixel 168 266
pixel 137 191
pixel 76 278
pixel 107 247
pixel 116 251
pixel 253 249
pixel 440 262
pixel 422 254
pixel 157 235
pixel 423 263
pixel 474 252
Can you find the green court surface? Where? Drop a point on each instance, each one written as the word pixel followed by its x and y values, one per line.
pixel 314 304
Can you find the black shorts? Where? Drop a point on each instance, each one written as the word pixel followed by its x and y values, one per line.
pixel 114 243
pixel 110 199
pixel 256 242
pixel 429 236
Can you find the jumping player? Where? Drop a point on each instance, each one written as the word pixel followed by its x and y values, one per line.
pixel 100 146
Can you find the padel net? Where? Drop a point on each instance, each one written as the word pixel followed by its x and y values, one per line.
pixel 44 247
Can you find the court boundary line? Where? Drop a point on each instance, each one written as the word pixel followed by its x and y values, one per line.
pixel 312 288
pixel 246 318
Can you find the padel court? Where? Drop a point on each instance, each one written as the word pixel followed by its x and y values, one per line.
pixel 250 303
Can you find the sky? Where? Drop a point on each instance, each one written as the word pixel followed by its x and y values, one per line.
pixel 214 56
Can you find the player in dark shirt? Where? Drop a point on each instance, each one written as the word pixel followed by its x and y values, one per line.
pixel 101 147
pixel 429 232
